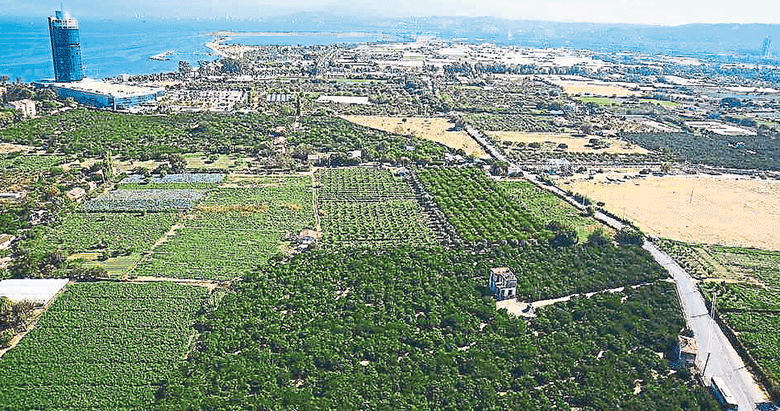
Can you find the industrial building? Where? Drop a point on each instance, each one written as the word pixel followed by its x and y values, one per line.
pixel 65 47
pixel 104 95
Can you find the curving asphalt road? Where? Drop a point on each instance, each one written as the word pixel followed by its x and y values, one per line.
pixel 716 354
pixel 724 361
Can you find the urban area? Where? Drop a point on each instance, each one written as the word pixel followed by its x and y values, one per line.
pixel 432 224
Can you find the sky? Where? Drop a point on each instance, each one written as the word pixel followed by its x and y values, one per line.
pixel 651 12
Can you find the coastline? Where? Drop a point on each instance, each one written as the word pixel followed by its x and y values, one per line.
pixel 228 33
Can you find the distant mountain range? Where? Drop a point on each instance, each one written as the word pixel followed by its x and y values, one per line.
pixel 691 39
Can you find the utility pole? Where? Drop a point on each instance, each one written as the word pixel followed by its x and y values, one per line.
pixel 705 364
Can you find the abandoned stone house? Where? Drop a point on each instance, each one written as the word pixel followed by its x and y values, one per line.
pixel 687 349
pixel 502 283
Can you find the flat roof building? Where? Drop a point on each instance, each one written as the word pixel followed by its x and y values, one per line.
pixel 25 107
pixel 65 47
pixel 101 94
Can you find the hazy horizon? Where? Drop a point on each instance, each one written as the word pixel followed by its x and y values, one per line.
pixel 657 13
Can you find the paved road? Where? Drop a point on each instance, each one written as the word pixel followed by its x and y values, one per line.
pixel 724 361
pixel 483 141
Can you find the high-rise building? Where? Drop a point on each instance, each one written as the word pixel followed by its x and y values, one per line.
pixel 65 48
pixel 765 47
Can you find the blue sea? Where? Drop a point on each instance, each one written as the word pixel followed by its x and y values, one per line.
pixel 111 48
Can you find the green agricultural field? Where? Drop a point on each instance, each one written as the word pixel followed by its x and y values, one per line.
pixel 144 200
pixel 413 330
pixel 758 332
pixel 662 103
pixel 546 207
pixel 102 345
pixel 327 134
pixel 362 184
pixel 370 207
pixel 116 267
pixel 511 122
pixel 94 132
pixel 16 163
pixel 478 207
pixel 601 101
pixel 234 230
pixel 137 232
pixel 747 295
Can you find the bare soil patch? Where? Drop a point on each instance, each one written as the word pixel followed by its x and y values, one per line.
pixel 430 128
pixel 575 144
pixel 727 210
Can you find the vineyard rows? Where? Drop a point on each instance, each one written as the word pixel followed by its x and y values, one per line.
pixel 234 230
pixel 144 200
pixel 77 232
pixel 749 302
pixel 70 361
pixel 370 207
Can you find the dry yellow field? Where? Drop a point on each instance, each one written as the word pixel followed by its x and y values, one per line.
pixel 429 128
pixel 703 209
pixel 12 148
pixel 576 144
pixel 594 88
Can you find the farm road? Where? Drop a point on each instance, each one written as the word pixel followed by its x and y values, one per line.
pixel 724 361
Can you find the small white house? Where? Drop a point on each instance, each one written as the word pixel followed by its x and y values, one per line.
pixel 25 107
pixel 502 283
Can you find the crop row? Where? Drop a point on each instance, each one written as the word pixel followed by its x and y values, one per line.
pixel 76 232
pixel 144 200
pixel 361 184
pixel 478 207
pixel 233 231
pixel 204 178
pixel 731 296
pixel 80 357
pixel 392 222
pixel 546 207
pixel 370 207
pixel 28 163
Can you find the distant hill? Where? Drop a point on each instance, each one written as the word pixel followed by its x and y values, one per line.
pixel 691 39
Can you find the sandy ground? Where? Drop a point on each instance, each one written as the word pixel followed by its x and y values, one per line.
pixel 594 88
pixel 576 144
pixel 727 210
pixel 228 50
pixel 12 148
pixel 429 128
